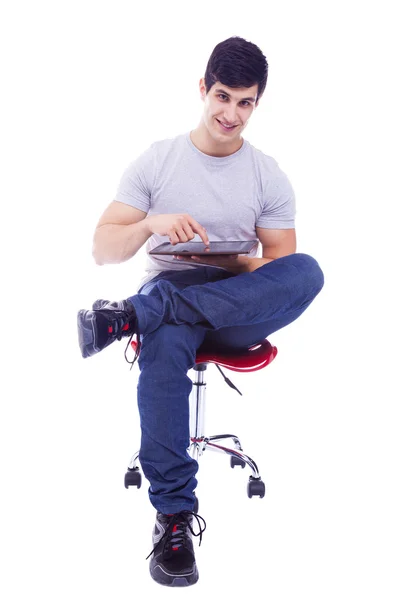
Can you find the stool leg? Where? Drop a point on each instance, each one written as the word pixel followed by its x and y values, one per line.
pixel 249 461
pixel 133 477
pixel 132 464
pixel 229 436
pixel 197 404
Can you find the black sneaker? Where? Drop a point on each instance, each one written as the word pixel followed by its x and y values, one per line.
pixel 107 322
pixel 173 562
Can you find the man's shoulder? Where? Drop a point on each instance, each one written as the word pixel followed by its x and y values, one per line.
pixel 169 143
pixel 263 159
pixel 156 151
pixel 266 163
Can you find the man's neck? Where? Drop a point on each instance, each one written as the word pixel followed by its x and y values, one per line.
pixel 206 144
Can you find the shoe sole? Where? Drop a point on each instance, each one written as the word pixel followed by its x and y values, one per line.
pixel 86 333
pixel 164 578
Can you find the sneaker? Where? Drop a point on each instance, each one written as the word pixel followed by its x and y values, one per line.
pixel 107 322
pixel 173 562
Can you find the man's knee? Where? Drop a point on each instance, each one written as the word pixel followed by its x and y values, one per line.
pixel 309 279
pixel 310 269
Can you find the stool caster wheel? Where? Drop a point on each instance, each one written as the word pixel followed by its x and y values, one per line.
pixel 236 461
pixel 196 505
pixel 255 487
pixel 133 477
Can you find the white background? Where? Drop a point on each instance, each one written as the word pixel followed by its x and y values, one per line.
pixel 87 87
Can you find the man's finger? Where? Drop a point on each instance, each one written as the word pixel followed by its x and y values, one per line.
pixel 200 230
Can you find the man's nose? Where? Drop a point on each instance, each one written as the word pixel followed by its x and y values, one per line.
pixel 230 114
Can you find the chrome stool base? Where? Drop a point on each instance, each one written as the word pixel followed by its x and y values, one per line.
pixel 199 445
pixel 199 442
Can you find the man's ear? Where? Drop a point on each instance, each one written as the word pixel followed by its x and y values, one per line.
pixel 257 101
pixel 202 87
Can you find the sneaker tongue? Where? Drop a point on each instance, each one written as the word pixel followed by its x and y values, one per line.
pixel 178 529
pixel 175 540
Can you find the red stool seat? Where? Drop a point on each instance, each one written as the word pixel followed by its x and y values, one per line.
pixel 255 358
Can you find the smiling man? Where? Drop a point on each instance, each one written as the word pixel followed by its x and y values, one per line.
pixel 226 114
pixel 212 184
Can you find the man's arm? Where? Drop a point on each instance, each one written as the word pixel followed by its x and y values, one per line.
pixel 275 243
pixel 123 229
pixel 120 233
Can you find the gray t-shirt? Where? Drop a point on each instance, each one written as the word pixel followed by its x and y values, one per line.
pixel 228 195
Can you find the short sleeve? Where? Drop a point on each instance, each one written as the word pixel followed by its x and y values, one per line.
pixel 279 208
pixel 137 181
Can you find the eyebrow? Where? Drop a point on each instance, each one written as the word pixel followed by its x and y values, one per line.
pixel 250 98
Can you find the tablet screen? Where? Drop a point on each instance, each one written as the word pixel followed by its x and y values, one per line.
pixel 200 249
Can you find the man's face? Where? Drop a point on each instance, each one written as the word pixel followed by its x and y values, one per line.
pixel 227 110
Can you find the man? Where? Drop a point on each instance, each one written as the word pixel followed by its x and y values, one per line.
pixel 211 184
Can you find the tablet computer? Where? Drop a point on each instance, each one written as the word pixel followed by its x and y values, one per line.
pixel 200 249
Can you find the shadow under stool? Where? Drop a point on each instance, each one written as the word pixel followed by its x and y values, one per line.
pixel 244 361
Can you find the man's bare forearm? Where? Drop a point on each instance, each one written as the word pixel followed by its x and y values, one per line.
pixel 118 243
pixel 251 264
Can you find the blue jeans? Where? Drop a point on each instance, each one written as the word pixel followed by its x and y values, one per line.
pixel 180 312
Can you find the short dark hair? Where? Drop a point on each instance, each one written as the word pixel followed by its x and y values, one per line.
pixel 237 63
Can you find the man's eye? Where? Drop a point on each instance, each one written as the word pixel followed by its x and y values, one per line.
pixel 244 102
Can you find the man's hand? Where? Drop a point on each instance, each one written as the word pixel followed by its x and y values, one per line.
pixel 236 263
pixel 231 262
pixel 180 227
